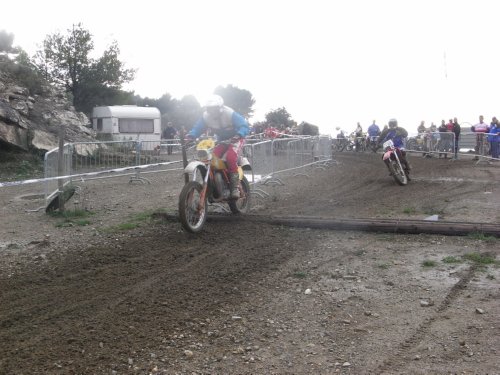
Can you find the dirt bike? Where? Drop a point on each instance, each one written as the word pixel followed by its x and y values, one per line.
pixel 395 166
pixel 214 187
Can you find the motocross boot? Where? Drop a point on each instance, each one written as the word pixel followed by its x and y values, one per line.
pixel 234 181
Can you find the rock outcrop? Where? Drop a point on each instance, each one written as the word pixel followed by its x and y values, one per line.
pixel 33 121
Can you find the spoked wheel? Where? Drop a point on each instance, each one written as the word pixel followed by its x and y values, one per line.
pixel 241 205
pixel 398 173
pixel 192 211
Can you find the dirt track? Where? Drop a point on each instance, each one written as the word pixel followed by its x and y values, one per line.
pixel 257 298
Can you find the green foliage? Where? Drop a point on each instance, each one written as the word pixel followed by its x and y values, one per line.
pixel 481 236
pixel 409 210
pixel 24 72
pixel 238 99
pixel 279 118
pixel 451 259
pixel 6 40
pixel 299 275
pixel 70 218
pixel 478 258
pixel 308 129
pixel 429 263
pixel 65 60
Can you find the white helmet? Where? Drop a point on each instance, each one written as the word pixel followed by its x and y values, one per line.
pixel 214 101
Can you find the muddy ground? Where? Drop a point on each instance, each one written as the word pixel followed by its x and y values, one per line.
pixel 125 291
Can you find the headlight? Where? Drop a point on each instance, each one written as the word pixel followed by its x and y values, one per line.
pixel 203 155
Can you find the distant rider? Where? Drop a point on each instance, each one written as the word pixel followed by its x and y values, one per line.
pixel 227 124
pixel 397 135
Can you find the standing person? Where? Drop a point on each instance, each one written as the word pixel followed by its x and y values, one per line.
pixel 373 133
pixel 456 131
pixel 398 136
pixel 421 128
pixel 359 135
pixel 422 137
pixel 228 125
pixel 494 138
pixel 480 129
pixel 169 134
pixel 442 143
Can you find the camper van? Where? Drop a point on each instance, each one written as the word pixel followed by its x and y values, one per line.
pixel 127 123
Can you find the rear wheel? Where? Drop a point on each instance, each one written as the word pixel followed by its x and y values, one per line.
pixel 192 211
pixel 398 173
pixel 241 205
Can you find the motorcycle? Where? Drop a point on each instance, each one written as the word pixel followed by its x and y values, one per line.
pixel 214 188
pixel 395 166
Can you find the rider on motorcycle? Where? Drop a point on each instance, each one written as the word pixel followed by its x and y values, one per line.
pixel 397 134
pixel 227 124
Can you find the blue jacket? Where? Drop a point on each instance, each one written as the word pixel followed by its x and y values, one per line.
pixel 227 125
pixel 397 135
pixel 494 130
pixel 373 130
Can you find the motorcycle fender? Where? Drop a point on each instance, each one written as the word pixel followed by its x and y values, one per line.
pixel 245 164
pixel 192 166
pixel 387 155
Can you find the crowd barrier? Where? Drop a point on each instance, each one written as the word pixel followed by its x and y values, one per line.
pixel 445 144
pixel 92 160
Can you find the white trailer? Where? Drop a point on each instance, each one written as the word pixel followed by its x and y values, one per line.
pixel 127 123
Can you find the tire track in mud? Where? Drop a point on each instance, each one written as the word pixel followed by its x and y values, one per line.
pixel 396 362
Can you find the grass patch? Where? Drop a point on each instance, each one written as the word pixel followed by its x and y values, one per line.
pixel 71 218
pixel 136 220
pixel 451 260
pixel 299 275
pixel 127 226
pixel 429 263
pixel 433 211
pixel 409 210
pixel 481 259
pixel 383 266
pixel 481 236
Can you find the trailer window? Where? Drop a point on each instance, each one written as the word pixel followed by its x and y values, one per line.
pixel 133 125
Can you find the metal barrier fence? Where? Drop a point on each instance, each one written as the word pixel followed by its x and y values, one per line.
pixel 445 144
pixel 121 158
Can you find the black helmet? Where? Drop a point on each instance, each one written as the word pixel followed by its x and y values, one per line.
pixel 393 123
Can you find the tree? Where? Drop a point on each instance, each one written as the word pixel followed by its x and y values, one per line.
pixel 280 118
pixel 65 60
pixel 6 40
pixel 186 113
pixel 238 99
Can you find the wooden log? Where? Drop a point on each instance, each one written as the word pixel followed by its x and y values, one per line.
pixel 406 226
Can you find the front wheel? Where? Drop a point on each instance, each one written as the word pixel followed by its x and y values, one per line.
pixel 242 204
pixel 192 209
pixel 398 173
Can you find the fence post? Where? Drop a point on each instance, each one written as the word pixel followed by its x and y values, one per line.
pixel 60 168
pixel 184 154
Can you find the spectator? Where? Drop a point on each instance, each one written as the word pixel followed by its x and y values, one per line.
pixel 373 133
pixel 441 146
pixel 456 131
pixel 494 138
pixel 421 128
pixel 480 129
pixel 169 134
pixel 359 136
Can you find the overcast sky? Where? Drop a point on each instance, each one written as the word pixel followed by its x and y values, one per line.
pixel 331 63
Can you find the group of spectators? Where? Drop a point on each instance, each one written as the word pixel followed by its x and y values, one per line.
pixel 485 134
pixel 444 144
